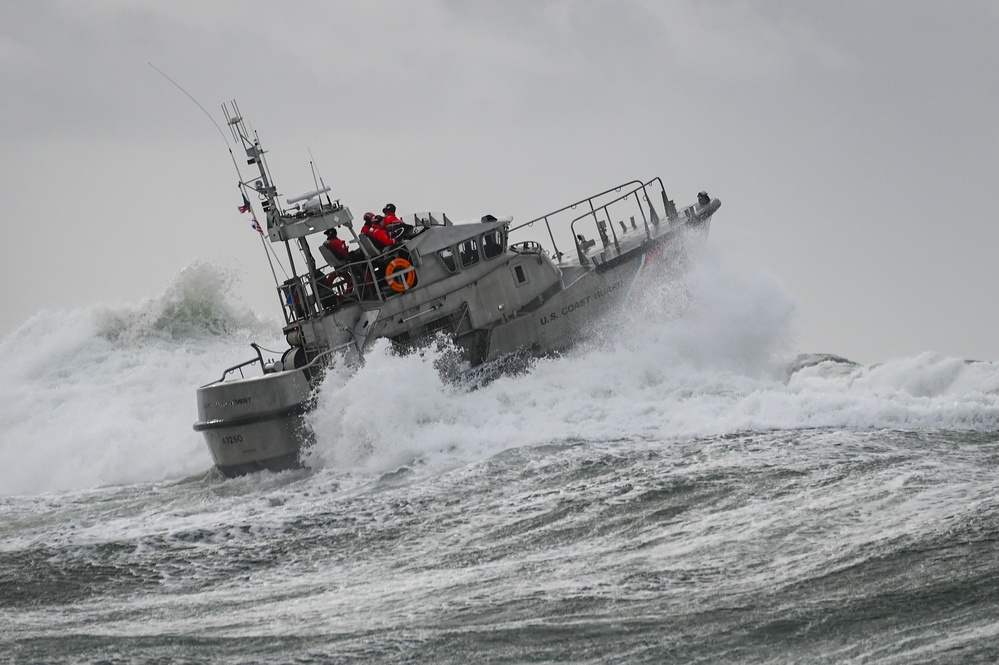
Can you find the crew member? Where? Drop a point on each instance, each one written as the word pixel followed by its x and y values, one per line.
pixel 337 246
pixel 375 232
pixel 394 226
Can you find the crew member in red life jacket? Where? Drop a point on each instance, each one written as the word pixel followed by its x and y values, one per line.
pixel 394 226
pixel 376 233
pixel 337 246
pixel 390 216
pixel 343 279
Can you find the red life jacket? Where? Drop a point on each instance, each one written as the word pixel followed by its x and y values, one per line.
pixel 339 248
pixel 393 225
pixel 377 235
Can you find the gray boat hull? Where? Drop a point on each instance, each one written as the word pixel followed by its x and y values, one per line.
pixel 573 314
pixel 256 423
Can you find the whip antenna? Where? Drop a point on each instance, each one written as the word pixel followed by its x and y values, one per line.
pixel 267 247
pixel 318 179
pixel 188 95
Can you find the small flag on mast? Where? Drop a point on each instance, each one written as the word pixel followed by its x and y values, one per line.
pixel 246 205
pixel 256 226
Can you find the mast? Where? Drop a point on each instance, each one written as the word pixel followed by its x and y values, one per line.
pixel 307 216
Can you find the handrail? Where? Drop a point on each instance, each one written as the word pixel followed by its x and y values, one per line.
pixel 558 255
pixel 349 275
pixel 605 208
pixel 257 347
pixel 573 205
pixel 643 193
pixel 240 367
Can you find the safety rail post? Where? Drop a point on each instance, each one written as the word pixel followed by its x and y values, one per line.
pixel 645 219
pixel 580 248
pixel 669 208
pixel 634 184
pixel 558 254
pixel 653 217
pixel 637 186
pixel 238 367
pixel 610 223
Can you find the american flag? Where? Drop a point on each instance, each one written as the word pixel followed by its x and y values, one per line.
pixel 256 226
pixel 246 205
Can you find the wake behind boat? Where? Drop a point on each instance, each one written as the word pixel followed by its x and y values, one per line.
pixel 470 282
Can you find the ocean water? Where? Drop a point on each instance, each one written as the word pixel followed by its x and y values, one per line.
pixel 683 488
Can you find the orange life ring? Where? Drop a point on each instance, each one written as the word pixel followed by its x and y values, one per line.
pixel 398 283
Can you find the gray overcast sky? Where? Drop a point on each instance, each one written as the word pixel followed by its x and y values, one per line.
pixel 854 145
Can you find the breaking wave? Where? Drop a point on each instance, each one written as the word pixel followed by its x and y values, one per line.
pixel 106 395
pixel 725 366
pixel 197 304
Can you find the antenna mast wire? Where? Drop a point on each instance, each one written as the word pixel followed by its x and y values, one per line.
pixel 188 95
pixel 234 164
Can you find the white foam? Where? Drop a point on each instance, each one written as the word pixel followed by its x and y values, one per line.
pixel 720 368
pixel 106 395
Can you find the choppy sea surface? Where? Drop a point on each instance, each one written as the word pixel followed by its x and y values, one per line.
pixel 681 489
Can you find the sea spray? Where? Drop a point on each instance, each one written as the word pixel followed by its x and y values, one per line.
pixel 105 395
pixel 724 366
pixel 197 304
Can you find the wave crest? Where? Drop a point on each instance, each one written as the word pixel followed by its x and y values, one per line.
pixel 198 303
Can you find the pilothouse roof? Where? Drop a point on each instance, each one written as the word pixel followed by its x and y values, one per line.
pixel 452 234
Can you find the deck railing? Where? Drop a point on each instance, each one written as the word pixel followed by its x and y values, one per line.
pixel 628 201
pixel 302 296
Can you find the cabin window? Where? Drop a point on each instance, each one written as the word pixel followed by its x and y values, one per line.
pixel 519 274
pixel 469 252
pixel 492 244
pixel 446 256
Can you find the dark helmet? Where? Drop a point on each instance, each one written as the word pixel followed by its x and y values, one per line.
pixel 331 233
pixel 389 207
pixel 368 216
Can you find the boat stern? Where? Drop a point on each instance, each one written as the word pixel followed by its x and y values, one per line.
pixel 256 423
